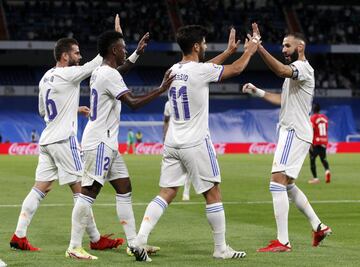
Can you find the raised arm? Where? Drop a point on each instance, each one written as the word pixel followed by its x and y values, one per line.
pixel 135 102
pixel 250 47
pixel 280 69
pixel 251 89
pixel 130 62
pixel 231 49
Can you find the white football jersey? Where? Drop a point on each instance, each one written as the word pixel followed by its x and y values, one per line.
pixel 296 101
pixel 106 88
pixel 59 91
pixel 189 103
pixel 167 109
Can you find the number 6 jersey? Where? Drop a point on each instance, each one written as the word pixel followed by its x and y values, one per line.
pixel 189 102
pixel 59 91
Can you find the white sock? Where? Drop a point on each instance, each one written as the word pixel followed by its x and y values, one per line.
pixel 187 187
pixel 281 211
pixel 80 217
pixel 28 209
pixel 126 217
pixel 152 215
pixel 91 228
pixel 216 218
pixel 302 203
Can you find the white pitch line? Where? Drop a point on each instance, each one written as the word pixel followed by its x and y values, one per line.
pixel 340 201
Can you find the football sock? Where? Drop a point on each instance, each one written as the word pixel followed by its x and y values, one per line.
pixel 80 217
pixel 153 212
pixel 125 214
pixel 28 209
pixel 91 228
pixel 281 210
pixel 302 203
pixel 216 217
pixel 187 187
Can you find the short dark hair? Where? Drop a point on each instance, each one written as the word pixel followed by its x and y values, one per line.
pixel 189 35
pixel 316 107
pixel 63 45
pixel 297 35
pixel 106 40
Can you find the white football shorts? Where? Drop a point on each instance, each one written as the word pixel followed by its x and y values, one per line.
pixel 199 163
pixel 290 153
pixel 60 160
pixel 103 164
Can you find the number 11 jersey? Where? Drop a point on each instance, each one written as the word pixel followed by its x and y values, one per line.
pixel 189 102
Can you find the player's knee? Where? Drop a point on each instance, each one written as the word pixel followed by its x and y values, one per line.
pixel 122 186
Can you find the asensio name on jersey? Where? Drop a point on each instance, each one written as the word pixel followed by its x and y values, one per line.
pixel 59 91
pixel 189 102
pixel 107 86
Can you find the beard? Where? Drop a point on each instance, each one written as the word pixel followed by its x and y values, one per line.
pixel 201 55
pixel 73 62
pixel 292 57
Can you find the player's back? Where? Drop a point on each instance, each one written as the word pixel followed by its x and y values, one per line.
pixel 320 125
pixel 189 103
pixel 58 104
pixel 106 87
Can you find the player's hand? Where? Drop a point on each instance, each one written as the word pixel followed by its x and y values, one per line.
pixel 84 110
pixel 167 80
pixel 256 32
pixel 232 44
pixel 143 43
pixel 117 24
pixel 251 44
pixel 251 89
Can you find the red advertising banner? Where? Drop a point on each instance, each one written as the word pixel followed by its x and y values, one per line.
pixel 157 148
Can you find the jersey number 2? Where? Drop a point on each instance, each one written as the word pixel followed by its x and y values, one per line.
pixel 184 99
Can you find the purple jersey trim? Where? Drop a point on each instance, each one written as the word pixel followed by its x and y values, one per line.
pixel 221 72
pixel 122 93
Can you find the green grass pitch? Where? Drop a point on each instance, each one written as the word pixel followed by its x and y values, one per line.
pixel 183 232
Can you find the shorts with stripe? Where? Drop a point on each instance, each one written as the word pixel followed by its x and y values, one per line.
pixel 60 161
pixel 290 153
pixel 103 164
pixel 199 163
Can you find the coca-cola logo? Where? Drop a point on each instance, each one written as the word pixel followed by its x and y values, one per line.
pixel 149 149
pixel 220 148
pixel 262 148
pixel 24 149
pixel 332 148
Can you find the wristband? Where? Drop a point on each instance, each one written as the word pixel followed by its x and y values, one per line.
pixel 259 92
pixel 133 57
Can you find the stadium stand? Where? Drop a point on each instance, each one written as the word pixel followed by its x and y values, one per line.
pixel 39 20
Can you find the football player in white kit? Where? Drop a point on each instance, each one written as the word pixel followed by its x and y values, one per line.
pixel 188 147
pixel 295 136
pixel 59 158
pixel 102 161
pixel 187 181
